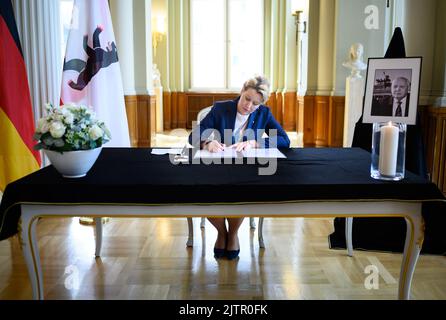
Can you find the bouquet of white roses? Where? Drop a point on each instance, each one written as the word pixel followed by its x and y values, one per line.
pixel 70 128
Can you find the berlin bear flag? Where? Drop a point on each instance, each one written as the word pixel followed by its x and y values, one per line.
pixel 91 72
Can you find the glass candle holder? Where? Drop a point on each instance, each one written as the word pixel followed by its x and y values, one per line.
pixel 388 151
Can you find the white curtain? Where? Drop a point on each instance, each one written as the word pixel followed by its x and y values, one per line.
pixel 39 31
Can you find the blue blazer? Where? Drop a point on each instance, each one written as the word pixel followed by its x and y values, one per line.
pixel 222 116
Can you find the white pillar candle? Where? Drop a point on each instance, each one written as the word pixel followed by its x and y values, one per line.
pixel 388 150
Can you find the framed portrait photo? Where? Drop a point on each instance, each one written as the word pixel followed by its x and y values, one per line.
pixel 392 89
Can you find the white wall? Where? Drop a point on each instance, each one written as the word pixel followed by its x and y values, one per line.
pixel 419 36
pixel 321 37
pixel 122 17
pixel 132 27
pixel 333 27
pixel 438 83
pixel 351 21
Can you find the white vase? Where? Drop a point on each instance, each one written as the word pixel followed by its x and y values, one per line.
pixel 73 164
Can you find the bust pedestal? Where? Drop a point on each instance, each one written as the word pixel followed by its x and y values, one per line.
pixel 354 92
pixel 159 99
pixel 159 109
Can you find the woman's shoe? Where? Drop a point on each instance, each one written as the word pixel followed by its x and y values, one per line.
pixel 219 253
pixel 232 254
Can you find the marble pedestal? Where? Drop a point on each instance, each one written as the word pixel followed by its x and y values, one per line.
pixel 354 92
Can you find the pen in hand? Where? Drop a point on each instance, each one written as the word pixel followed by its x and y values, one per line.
pixel 245 145
pixel 215 146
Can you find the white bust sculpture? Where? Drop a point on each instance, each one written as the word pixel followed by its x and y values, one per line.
pixel 355 62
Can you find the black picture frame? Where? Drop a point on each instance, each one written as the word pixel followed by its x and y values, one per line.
pixel 392 90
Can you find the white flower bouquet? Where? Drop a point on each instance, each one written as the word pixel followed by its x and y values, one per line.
pixel 70 128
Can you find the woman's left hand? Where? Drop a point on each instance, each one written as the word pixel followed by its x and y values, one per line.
pixel 245 145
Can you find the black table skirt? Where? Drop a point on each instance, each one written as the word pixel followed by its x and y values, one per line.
pixel 388 234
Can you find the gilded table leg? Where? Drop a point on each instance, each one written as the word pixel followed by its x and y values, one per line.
pixel 252 223
pixel 412 248
pixel 348 235
pixel 260 232
pixel 29 245
pixel 98 224
pixel 190 239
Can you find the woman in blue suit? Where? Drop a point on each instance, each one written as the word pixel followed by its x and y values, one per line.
pixel 238 124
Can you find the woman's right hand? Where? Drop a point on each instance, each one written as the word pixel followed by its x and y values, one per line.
pixel 214 146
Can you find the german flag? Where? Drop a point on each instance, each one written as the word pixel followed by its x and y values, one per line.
pixel 17 157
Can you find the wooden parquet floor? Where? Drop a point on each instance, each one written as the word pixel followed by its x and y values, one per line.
pixel 148 259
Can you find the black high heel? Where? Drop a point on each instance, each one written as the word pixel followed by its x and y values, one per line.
pixel 232 254
pixel 219 253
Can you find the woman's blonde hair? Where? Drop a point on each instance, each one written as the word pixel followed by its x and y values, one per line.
pixel 259 84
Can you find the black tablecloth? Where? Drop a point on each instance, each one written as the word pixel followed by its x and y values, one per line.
pixel 134 176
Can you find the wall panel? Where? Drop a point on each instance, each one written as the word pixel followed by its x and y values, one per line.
pixel 141 117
